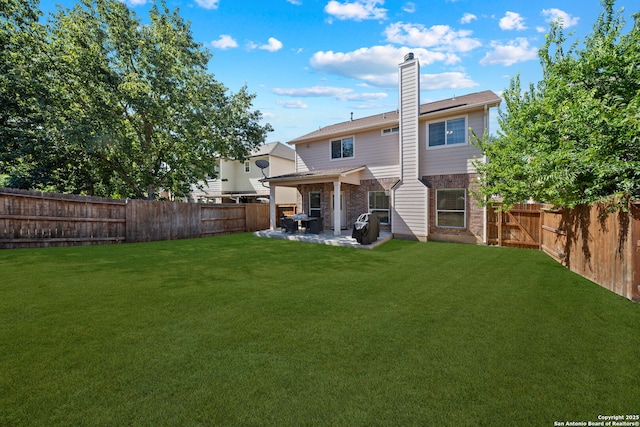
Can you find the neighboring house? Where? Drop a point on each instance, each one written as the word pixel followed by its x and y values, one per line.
pixel 239 181
pixel 411 167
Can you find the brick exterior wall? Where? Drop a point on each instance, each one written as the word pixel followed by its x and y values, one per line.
pixel 356 198
pixel 474 231
pixel 357 202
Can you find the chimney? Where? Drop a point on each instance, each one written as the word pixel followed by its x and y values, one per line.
pixel 410 195
pixel 409 92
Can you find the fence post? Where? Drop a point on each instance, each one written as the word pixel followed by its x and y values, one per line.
pixel 635 249
pixel 499 212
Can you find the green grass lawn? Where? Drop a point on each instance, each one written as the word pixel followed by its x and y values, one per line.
pixel 240 330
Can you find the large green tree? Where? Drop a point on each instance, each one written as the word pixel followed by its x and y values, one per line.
pixel 23 95
pixel 574 137
pixel 130 107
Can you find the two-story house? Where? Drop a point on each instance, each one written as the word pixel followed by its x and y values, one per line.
pixel 411 167
pixel 240 181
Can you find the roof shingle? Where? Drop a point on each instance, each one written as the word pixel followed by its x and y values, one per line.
pixel 391 118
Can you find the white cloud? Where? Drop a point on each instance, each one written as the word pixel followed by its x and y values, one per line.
pixel 134 3
pixel 440 37
pixel 377 65
pixel 295 2
pixel 224 42
pixel 358 10
pixel 557 14
pixel 409 7
pixel 339 93
pixel 272 45
pixel 208 4
pixel 370 96
pixel 294 104
pixel 315 91
pixel 512 21
pixel 467 18
pixel 451 80
pixel 517 50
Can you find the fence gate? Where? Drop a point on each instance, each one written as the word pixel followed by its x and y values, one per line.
pixel 517 228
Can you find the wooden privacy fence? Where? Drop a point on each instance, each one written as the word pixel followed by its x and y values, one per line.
pixel 604 248
pixel 32 219
pixel 519 228
pixel 35 219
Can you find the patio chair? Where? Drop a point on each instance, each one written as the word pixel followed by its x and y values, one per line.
pixel 315 226
pixel 289 224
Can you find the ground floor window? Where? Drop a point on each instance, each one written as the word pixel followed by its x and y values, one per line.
pixel 379 205
pixel 314 204
pixel 451 208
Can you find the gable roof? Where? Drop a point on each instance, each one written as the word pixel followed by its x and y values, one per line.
pixel 391 118
pixel 276 149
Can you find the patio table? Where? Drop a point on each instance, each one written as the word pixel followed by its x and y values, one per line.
pixel 311 224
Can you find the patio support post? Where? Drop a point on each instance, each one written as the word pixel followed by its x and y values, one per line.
pixel 337 227
pixel 272 206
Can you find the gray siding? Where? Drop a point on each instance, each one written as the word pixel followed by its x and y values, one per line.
pixel 454 159
pixel 379 153
pixel 410 210
pixel 409 104
pixel 410 196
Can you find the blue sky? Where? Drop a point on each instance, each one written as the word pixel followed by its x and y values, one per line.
pixel 312 63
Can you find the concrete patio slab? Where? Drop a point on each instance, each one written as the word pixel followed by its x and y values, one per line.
pixel 327 238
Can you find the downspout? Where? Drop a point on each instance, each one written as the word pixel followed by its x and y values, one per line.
pixel 392 202
pixel 428 228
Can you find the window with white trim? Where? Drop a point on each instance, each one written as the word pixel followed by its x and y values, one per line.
pixel 342 148
pixel 390 130
pixel 448 132
pixel 315 207
pixel 247 166
pixel 379 205
pixel 451 208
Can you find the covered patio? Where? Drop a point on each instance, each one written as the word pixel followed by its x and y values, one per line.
pixel 336 177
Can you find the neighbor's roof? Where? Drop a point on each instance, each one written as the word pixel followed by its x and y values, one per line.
pixel 391 118
pixel 276 149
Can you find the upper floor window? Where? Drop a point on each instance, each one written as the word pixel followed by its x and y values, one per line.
pixel 247 166
pixel 342 148
pixel 390 130
pixel 448 132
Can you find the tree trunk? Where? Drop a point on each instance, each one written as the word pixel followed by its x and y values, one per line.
pixel 151 190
